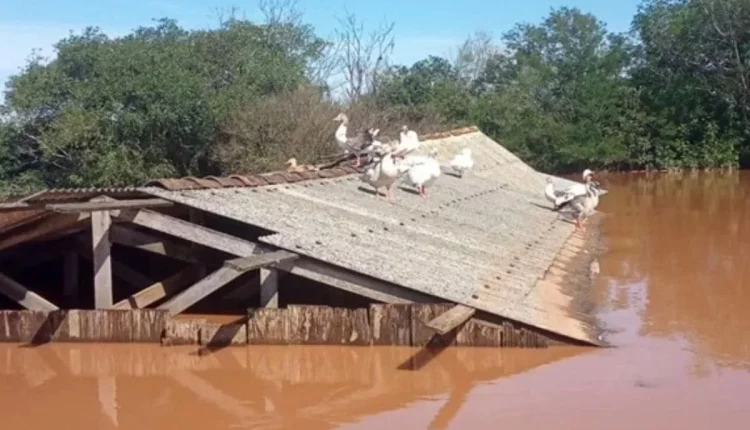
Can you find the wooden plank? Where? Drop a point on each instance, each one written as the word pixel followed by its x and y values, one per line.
pixel 70 277
pixel 258 261
pixel 100 222
pixel 390 324
pixel 324 325
pixel 124 236
pixel 21 326
pixel 421 315
pixel 148 325
pixel 106 205
pixel 182 331
pixel 451 319
pixel 199 290
pixel 159 290
pixel 38 230
pixel 269 288
pixel 196 216
pixel 188 231
pixel 355 283
pixel 268 327
pixel 480 333
pixel 21 295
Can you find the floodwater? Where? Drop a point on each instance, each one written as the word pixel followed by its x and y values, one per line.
pixel 673 289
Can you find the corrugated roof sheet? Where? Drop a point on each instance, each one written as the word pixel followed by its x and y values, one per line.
pixel 483 240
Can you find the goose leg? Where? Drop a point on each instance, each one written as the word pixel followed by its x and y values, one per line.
pixel 390 193
pixel 357 163
pixel 421 192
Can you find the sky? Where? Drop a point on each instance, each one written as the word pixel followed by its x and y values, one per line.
pixel 422 27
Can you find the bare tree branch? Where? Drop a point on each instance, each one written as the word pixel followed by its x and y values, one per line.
pixel 362 56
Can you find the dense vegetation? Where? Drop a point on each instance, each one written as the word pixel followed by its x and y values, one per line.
pixel 244 96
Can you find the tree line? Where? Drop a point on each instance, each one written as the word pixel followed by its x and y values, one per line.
pixel 244 96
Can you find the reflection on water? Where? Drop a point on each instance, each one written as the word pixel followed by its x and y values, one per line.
pixel 682 237
pixel 125 386
pixel 673 291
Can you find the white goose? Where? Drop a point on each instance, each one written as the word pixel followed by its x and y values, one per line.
pixel 421 171
pixel 584 205
pixel 573 191
pixel 383 173
pixel 408 142
pixel 462 162
pixel 552 194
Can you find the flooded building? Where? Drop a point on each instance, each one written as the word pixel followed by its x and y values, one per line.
pixel 307 258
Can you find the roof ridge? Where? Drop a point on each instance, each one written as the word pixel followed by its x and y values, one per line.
pixel 324 171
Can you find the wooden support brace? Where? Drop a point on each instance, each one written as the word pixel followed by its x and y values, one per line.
pixel 107 204
pixel 135 239
pixel 451 319
pixel 200 290
pixel 21 295
pixel 355 283
pixel 187 230
pixel 269 288
pixel 159 290
pixel 100 223
pixel 224 275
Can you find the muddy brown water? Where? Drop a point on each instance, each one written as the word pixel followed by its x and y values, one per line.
pixel 674 292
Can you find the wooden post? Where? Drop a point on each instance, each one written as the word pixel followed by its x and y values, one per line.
pixel 70 278
pixel 100 223
pixel 269 288
pixel 197 218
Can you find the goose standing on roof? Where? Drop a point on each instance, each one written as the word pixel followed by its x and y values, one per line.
pixel 573 191
pixel 462 162
pixel 382 173
pixel 421 172
pixel 553 194
pixel 584 205
pixel 408 142
pixel 353 145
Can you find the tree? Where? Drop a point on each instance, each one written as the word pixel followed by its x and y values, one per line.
pixel 116 111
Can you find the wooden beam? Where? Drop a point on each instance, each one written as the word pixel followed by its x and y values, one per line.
pixel 187 230
pixel 197 217
pixel 257 261
pixel 451 319
pixel 125 236
pixel 355 283
pixel 106 205
pixel 100 223
pixel 24 297
pixel 70 276
pixel 269 288
pixel 53 224
pixel 231 270
pixel 200 290
pixel 159 290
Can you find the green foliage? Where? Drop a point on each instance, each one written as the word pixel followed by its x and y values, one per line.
pixel 563 94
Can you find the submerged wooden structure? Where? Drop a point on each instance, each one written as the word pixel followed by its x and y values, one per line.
pixel 313 255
